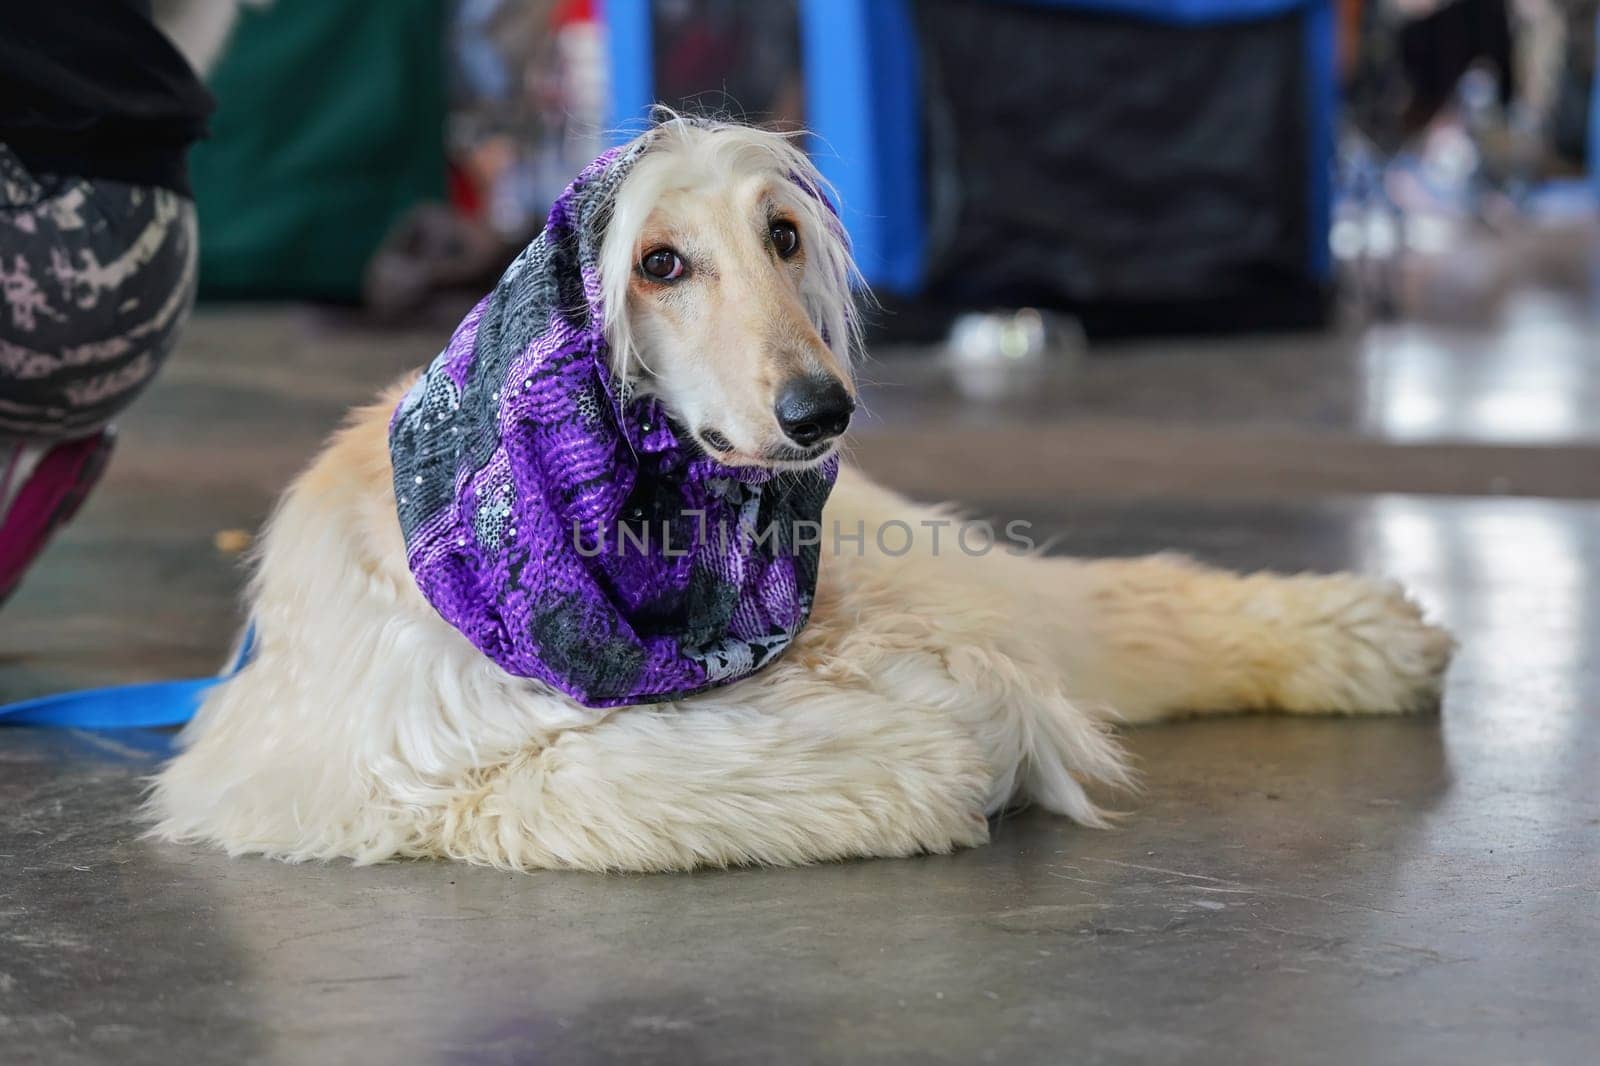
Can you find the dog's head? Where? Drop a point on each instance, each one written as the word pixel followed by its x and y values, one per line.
pixel 728 289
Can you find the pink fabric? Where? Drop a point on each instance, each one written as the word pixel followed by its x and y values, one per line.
pixel 51 495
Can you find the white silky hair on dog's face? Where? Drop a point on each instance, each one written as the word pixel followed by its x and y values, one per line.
pixel 743 313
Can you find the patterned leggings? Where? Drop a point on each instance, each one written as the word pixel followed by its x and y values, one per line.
pixel 98 278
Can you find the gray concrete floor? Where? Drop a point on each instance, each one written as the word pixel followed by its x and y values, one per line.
pixel 1306 891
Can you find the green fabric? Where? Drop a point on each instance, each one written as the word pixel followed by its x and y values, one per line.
pixel 330 124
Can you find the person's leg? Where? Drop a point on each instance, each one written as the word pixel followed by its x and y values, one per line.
pixel 97 279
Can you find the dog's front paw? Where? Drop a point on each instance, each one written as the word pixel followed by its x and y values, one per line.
pixel 1369 651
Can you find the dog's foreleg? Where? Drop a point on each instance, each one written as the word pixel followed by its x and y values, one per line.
pixel 782 771
pixel 1164 636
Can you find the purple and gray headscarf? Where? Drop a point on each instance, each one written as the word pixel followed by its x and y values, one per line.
pixel 577 536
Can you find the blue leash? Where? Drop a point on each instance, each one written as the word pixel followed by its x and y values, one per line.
pixel 140 706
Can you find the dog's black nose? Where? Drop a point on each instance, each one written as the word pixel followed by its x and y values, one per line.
pixel 812 410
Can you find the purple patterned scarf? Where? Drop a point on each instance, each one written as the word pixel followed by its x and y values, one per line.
pixel 575 537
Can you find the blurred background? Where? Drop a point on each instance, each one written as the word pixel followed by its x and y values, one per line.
pixel 1145 165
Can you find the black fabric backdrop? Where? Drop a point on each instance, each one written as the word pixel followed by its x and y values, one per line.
pixel 1142 174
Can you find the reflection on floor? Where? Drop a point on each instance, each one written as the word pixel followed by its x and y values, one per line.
pixel 1318 891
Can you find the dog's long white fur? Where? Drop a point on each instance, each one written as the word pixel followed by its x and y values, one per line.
pixel 930 691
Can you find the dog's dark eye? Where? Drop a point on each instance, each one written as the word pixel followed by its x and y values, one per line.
pixel 785 238
pixel 662 264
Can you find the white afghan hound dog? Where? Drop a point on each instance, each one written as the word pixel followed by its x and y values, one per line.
pixel 931 690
